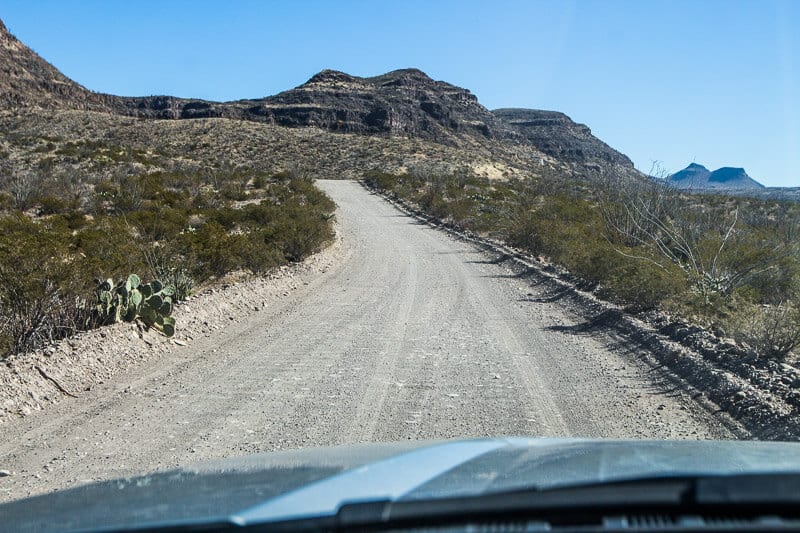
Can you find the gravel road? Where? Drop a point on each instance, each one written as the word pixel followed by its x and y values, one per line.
pixel 412 335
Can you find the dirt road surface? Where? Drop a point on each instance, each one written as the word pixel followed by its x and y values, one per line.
pixel 413 335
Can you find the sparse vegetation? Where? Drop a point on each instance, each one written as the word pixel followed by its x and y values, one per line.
pixel 772 330
pixel 181 227
pixel 725 262
pixel 187 201
pixel 716 250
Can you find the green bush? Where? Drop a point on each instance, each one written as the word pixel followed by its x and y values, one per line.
pixel 49 205
pixel 640 285
pixel 145 223
pixel 299 233
pixel 382 180
pixel 158 224
pixel 565 222
pixel 109 246
pixel 772 330
pixel 40 284
pixel 234 191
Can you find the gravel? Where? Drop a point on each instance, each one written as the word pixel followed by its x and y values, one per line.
pixel 398 332
pixel 754 397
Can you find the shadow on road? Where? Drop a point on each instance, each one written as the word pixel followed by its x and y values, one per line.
pixel 522 274
pixel 605 320
pixel 496 261
pixel 554 296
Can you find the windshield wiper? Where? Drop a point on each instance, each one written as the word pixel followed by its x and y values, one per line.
pixel 720 503
pixel 771 497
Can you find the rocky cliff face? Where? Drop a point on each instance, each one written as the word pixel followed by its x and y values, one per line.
pixel 402 102
pixel 557 135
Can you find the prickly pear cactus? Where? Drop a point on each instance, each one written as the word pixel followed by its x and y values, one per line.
pixel 131 299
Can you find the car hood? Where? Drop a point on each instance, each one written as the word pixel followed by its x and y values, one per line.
pixel 288 485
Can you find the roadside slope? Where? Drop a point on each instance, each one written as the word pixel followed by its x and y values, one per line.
pixel 413 335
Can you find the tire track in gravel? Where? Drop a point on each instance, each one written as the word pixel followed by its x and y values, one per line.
pixel 394 343
pixel 412 335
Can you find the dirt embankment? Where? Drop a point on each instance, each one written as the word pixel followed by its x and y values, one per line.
pixel 33 381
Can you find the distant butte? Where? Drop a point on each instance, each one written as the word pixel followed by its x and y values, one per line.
pixel 698 177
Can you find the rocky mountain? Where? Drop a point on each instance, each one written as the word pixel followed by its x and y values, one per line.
pixel 698 177
pixel 406 103
pixel 402 102
pixel 28 80
pixel 557 135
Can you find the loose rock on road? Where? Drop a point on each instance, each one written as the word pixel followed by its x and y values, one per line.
pixel 413 335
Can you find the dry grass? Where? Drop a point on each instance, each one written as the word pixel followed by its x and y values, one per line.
pixel 98 145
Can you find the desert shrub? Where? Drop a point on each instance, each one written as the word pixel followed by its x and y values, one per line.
pixel 432 201
pixel 772 330
pixel 157 224
pixel 463 211
pixel 70 220
pixel 109 247
pixel 174 225
pixel 304 191
pixel 227 217
pixel 258 253
pixel 523 230
pixel 299 233
pixel 716 246
pixel 40 286
pixel 569 231
pixel 165 264
pixel 119 198
pixel 209 250
pixel 49 205
pixel 638 285
pixel 779 275
pixel 234 191
pixel 559 227
pixel 173 199
pixel 287 226
pixel 6 201
pixel 23 188
pixel 382 180
pixel 33 315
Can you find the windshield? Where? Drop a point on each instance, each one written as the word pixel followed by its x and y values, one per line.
pixel 234 228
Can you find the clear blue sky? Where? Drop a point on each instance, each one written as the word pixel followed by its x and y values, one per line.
pixel 716 82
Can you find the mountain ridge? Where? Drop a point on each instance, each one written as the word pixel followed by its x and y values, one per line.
pixel 404 102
